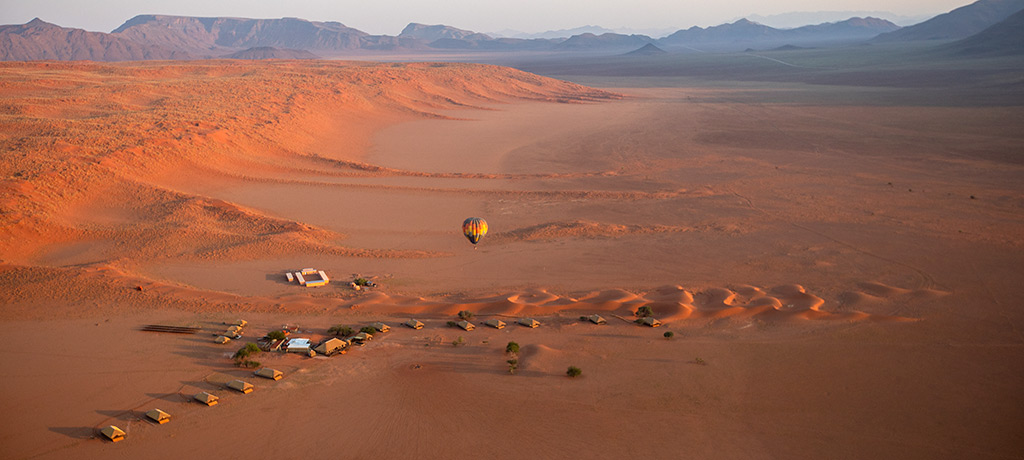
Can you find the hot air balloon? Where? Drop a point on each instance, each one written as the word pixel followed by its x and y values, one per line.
pixel 474 228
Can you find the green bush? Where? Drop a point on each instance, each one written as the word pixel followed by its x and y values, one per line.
pixel 362 282
pixel 241 357
pixel 583 318
pixel 700 361
pixel 513 364
pixel 453 324
pixel 250 364
pixel 573 372
pixel 458 341
pixel 276 335
pixel 644 311
pixel 340 330
pixel 465 315
pixel 512 348
pixel 669 334
pixel 368 329
pixel 248 350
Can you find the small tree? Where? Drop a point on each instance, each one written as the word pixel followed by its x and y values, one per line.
pixel 669 334
pixel 644 311
pixel 465 315
pixel 573 372
pixel 512 348
pixel 453 324
pixel 368 329
pixel 243 353
pixel 276 335
pixel 513 364
pixel 340 330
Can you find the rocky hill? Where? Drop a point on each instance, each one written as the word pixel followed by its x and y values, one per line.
pixel 40 40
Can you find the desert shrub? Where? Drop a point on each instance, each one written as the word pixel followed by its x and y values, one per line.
pixel 248 350
pixel 669 334
pixel 276 335
pixel 340 330
pixel 573 372
pixel 368 329
pixel 453 324
pixel 465 315
pixel 512 348
pixel 583 318
pixel 644 311
pixel 700 361
pixel 458 341
pixel 513 364
pixel 249 364
pixel 362 282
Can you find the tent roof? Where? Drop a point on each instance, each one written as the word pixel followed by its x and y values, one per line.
pixel 110 431
pixel 157 414
pixel 268 372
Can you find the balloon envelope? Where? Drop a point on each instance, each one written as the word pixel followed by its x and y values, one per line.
pixel 474 228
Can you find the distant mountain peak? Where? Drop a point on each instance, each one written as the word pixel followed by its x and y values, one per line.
pixel 649 49
pixel 436 32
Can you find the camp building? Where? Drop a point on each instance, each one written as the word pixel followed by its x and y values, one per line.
pixel 268 373
pixel 206 398
pixel 651 322
pixel 528 322
pixel 113 433
pixel 240 386
pixel 158 416
pixel 331 346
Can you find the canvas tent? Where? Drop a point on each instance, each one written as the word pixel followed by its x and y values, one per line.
pixel 528 322
pixel 414 324
pixel 381 327
pixel 495 323
pixel 113 433
pixel 240 386
pixel 649 321
pixel 596 319
pixel 466 325
pixel 222 339
pixel 158 416
pixel 331 346
pixel 206 398
pixel 269 373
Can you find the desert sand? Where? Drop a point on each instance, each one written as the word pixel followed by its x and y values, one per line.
pixel 841 277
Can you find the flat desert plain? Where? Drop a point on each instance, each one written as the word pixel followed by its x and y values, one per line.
pixel 841 273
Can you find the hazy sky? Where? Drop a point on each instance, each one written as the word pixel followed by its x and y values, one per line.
pixel 390 16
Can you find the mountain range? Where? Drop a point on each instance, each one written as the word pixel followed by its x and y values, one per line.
pixel 959 23
pixel 147 37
